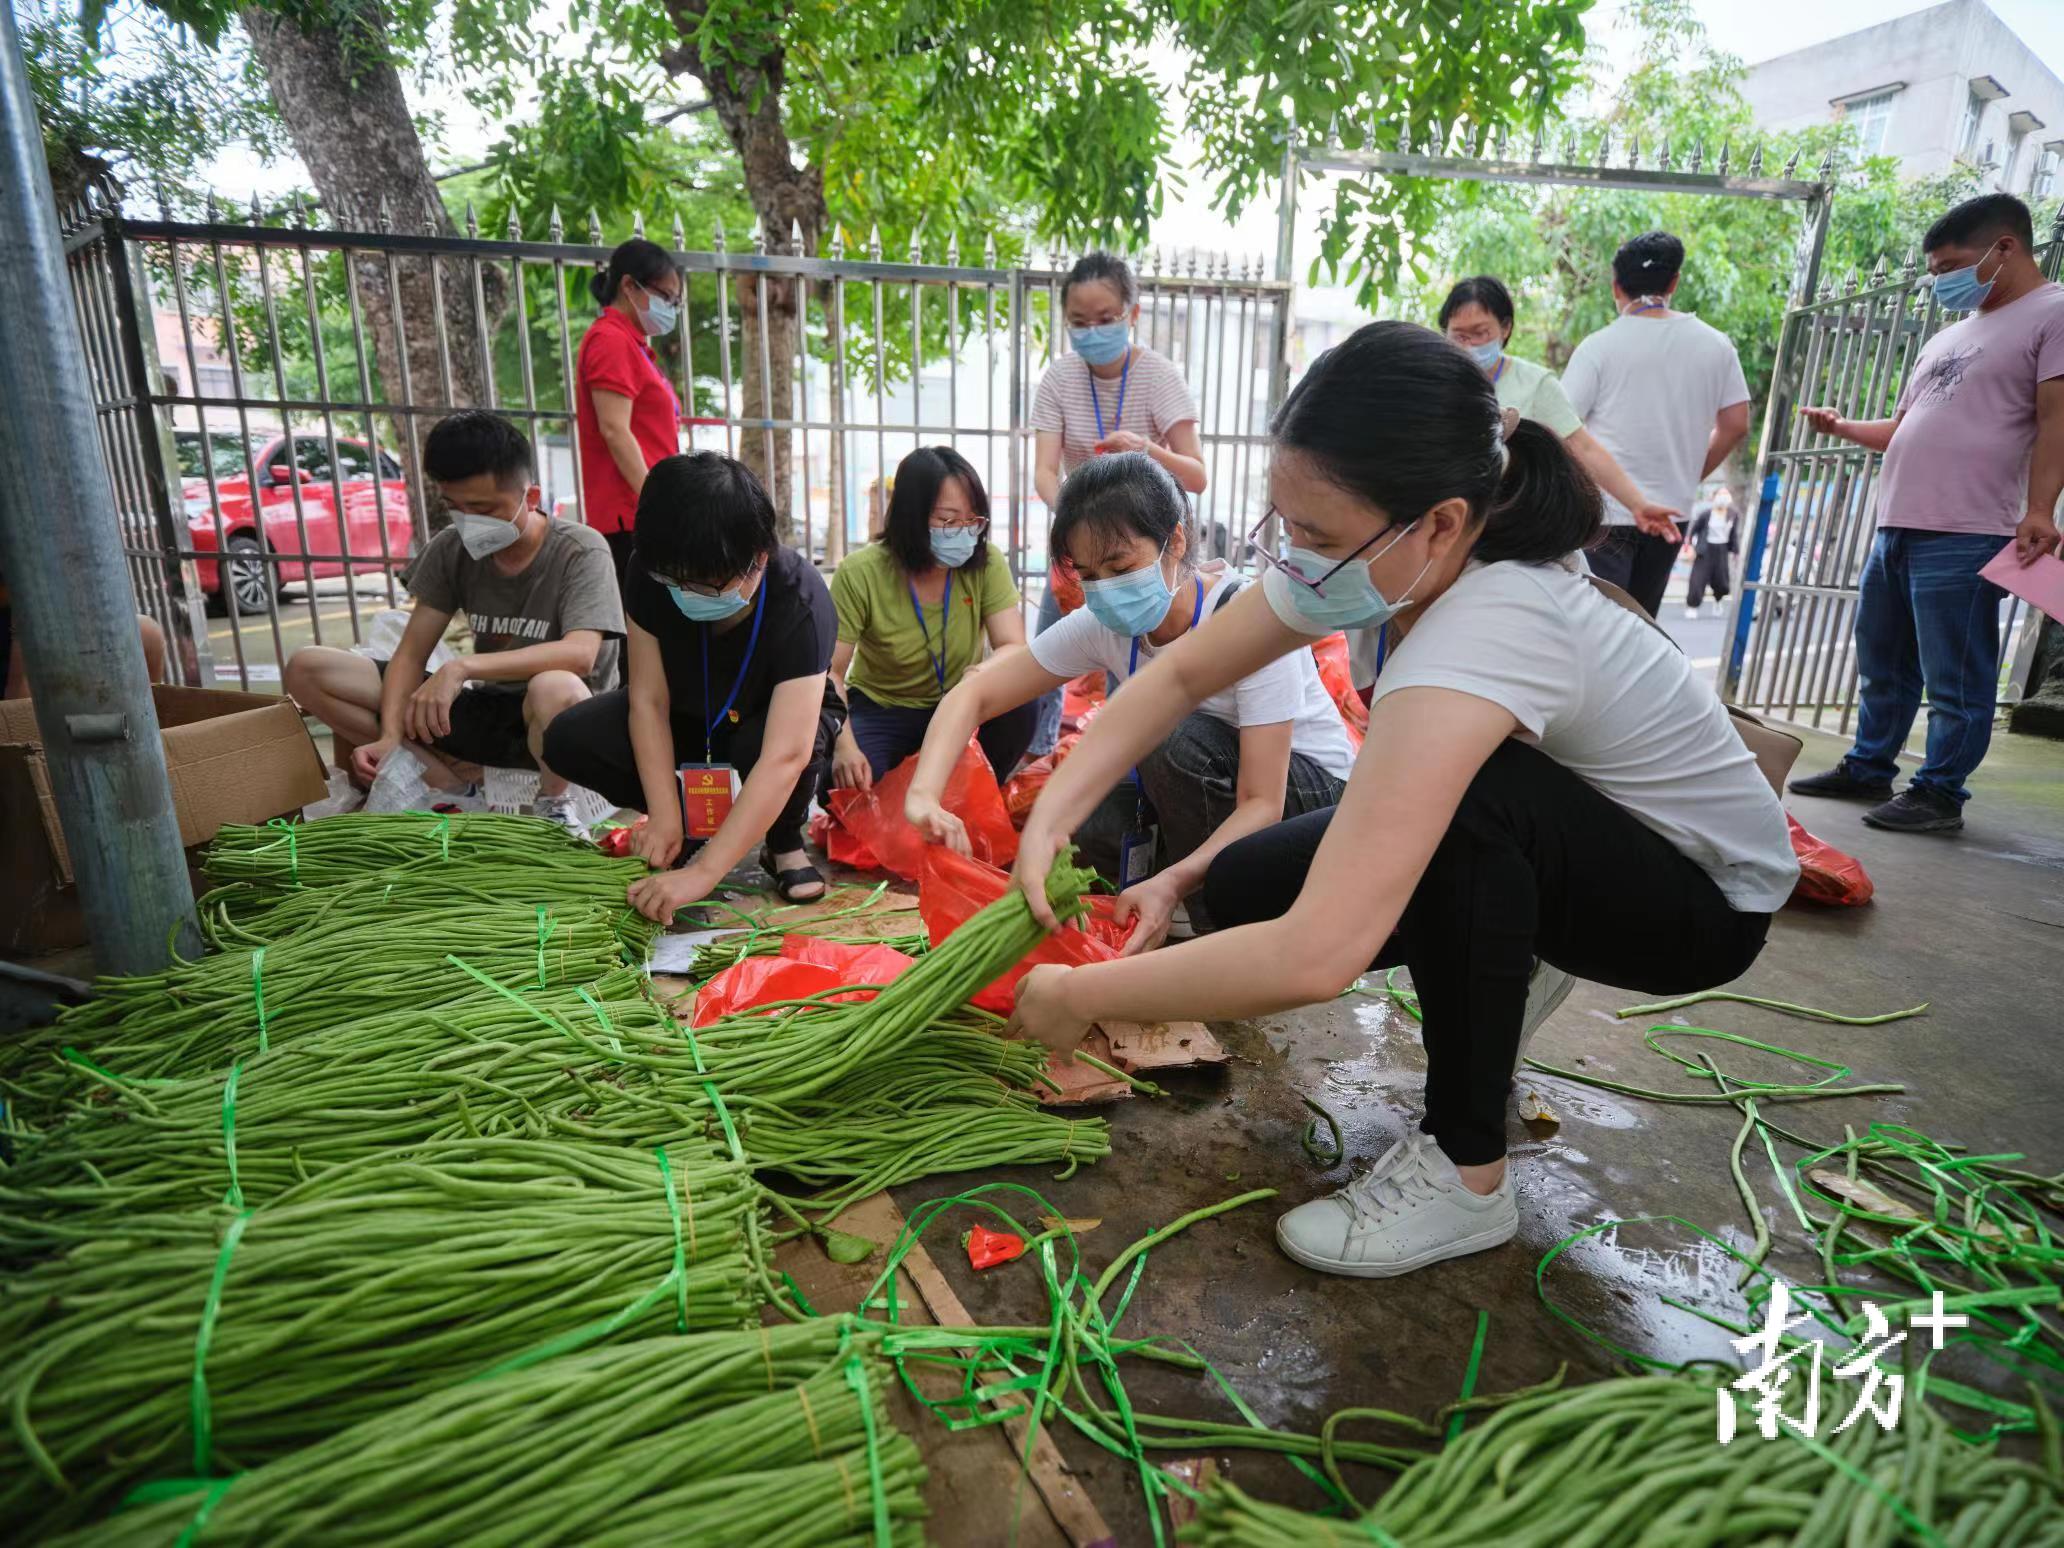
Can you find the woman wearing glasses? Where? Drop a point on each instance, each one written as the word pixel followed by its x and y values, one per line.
pixel 1267 746
pixel 1547 787
pixel 915 609
pixel 729 716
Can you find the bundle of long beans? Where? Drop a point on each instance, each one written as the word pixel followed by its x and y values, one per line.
pixel 257 913
pixel 370 1285
pixel 197 1018
pixel 1636 1461
pixel 349 847
pixel 739 1440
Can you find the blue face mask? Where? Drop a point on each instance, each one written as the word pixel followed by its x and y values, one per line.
pixel 1131 603
pixel 1960 290
pixel 954 546
pixel 660 315
pixel 1351 599
pixel 706 609
pixel 1486 355
pixel 1102 344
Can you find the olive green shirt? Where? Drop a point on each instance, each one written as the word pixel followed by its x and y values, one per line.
pixel 893 658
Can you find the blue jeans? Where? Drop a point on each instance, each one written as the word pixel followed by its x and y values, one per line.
pixel 1927 619
pixel 889 733
pixel 1047 730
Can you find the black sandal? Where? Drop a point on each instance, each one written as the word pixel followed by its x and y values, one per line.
pixel 786 882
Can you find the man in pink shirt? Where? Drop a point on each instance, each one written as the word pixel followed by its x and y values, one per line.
pixel 1974 458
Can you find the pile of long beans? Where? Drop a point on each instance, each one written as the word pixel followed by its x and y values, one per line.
pixel 348 847
pixel 366 1287
pixel 1637 1461
pixel 737 1440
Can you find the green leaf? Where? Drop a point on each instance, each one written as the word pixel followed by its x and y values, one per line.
pixel 845 1247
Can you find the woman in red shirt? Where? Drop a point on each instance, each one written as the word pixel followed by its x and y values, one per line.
pixel 627 414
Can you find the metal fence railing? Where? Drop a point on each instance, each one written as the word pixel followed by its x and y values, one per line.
pixel 263 387
pixel 1851 348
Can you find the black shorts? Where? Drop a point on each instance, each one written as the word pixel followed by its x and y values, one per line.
pixel 486 726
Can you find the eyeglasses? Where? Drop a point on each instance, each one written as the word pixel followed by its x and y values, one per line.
pixel 697 589
pixel 1291 572
pixel 939 525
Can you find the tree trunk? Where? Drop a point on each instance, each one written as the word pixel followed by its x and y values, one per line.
pixel 342 103
pixel 745 89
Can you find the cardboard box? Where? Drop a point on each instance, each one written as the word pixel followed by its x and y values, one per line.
pixel 232 757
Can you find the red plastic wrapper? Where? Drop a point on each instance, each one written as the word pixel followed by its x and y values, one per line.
pixel 805 966
pixel 953 889
pixel 1826 875
pixel 987 1248
pixel 1066 585
pixel 1080 700
pixel 881 839
pixel 1337 673
pixel 616 842
pixel 1022 789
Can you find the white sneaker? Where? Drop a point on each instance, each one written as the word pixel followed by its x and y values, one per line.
pixel 1690 613
pixel 559 809
pixel 1546 990
pixel 1408 1210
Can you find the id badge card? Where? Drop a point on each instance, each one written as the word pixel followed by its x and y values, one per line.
pixel 1136 856
pixel 707 791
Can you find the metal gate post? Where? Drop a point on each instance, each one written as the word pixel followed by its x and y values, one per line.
pixel 189 642
pixel 61 547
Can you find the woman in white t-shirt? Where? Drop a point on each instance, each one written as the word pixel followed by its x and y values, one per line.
pixel 1547 788
pixel 1267 745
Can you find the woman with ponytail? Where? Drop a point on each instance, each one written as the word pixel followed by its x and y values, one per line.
pixel 627 416
pixel 1547 789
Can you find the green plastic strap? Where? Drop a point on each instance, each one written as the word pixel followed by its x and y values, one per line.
pixel 1139 1267
pixel 1855 1474
pixel 293 848
pixel 679 1274
pixel 258 994
pixel 1483 1327
pixel 602 1016
pixel 211 1308
pixel 72 1055
pixel 162 1489
pixel 856 1378
pixel 543 933
pixel 235 1197
pixel 443 832
pixel 802 1301
pixel 716 1100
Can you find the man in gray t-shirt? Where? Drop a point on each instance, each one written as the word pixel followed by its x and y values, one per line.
pixel 547 622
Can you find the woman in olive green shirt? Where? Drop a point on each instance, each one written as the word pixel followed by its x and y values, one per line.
pixel 915 609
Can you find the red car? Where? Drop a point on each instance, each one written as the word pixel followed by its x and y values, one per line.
pixel 278 529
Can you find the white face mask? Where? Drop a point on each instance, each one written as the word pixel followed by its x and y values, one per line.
pixel 485 535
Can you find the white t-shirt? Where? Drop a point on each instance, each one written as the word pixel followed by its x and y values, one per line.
pixel 1611 699
pixel 1534 391
pixel 1650 388
pixel 1286 689
pixel 1157 399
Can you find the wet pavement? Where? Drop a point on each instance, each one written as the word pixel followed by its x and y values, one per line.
pixel 1972 923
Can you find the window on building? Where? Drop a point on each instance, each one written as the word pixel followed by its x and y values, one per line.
pixel 2012 161
pixel 2045 180
pixel 1872 116
pixel 213 381
pixel 1967 136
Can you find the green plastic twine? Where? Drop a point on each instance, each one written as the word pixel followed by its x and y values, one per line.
pixel 716 1101
pixel 171 1489
pixel 1483 1328
pixel 856 1378
pixel 293 848
pixel 679 1274
pixel 258 994
pixel 443 832
pixel 235 1197
pixel 602 1016
pixel 211 1308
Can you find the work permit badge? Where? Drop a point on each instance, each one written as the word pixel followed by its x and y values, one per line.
pixel 1136 853
pixel 707 791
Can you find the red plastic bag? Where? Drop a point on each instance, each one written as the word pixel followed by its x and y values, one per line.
pixel 1826 875
pixel 1066 586
pixel 1337 673
pixel 987 1248
pixel 1080 700
pixel 886 841
pixel 804 967
pixel 953 889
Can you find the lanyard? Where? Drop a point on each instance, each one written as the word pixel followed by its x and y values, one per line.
pixel 945 615
pixel 709 730
pixel 1501 369
pixel 1653 306
pixel 1118 415
pixel 1132 670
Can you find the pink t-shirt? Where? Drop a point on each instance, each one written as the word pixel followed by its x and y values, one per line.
pixel 1156 401
pixel 1959 460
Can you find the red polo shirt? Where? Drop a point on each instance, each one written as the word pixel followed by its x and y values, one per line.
pixel 615 356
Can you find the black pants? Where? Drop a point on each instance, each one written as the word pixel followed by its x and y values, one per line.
pixel 1536 863
pixel 1637 563
pixel 1709 569
pixel 590 744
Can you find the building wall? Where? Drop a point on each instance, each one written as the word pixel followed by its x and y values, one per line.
pixel 1935 53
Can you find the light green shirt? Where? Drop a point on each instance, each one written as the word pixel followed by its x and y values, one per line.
pixel 894 658
pixel 1537 393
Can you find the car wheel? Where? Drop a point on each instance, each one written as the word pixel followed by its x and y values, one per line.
pixel 255 581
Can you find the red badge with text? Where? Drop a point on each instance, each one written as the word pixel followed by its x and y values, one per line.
pixel 707 790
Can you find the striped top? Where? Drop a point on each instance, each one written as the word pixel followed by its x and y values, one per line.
pixel 1157 399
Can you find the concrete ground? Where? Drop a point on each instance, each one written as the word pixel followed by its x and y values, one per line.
pixel 1973 924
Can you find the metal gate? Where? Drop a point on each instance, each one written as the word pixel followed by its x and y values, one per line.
pixel 263 387
pixel 1793 651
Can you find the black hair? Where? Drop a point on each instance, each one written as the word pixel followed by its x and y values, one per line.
pixel 1121 495
pixel 1398 416
pixel 1645 265
pixel 474 441
pixel 1482 290
pixel 1992 215
pixel 702 517
pixel 1108 267
pixel 646 262
pixel 907 527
